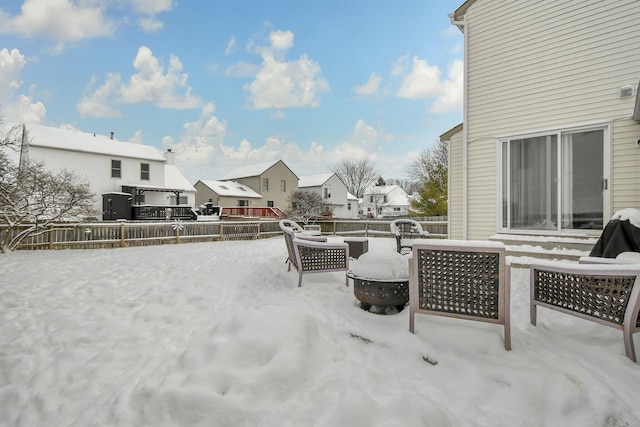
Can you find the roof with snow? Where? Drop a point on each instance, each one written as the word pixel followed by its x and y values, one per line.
pixel 256 169
pixel 314 180
pixel 231 189
pixel 74 140
pixel 173 178
pixel 399 198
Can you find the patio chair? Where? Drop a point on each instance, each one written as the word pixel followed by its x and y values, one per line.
pixel 291 230
pixel 405 232
pixel 320 257
pixel 461 279
pixel 607 294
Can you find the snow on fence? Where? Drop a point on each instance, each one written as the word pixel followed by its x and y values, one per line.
pixel 95 235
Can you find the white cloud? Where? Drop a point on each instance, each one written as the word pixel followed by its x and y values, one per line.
pixel 61 20
pixel 149 85
pixel 242 69
pixel 150 7
pixel 231 46
pixel 70 21
pixel 281 40
pixel 425 81
pixel 363 143
pixel 285 84
pixel 422 81
pixel 11 65
pixel 137 138
pixel 370 87
pixel 450 97
pixel 16 107
pixel 150 24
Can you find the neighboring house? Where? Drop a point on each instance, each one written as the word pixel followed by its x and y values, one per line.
pixel 226 194
pixel 274 181
pixel 334 193
pixel 549 140
pixel 112 166
pixel 385 201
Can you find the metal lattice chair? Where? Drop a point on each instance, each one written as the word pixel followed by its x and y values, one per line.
pixel 607 294
pixel 291 230
pixel 461 279
pixel 320 257
pixel 312 254
pixel 406 231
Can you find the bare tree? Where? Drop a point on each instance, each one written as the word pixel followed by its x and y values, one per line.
pixel 429 160
pixel 32 197
pixel 306 205
pixel 357 175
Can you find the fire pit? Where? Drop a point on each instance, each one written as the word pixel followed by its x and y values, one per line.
pixel 381 281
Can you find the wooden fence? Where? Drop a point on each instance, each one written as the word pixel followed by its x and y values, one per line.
pixel 94 235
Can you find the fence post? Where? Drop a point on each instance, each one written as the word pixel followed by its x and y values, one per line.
pixel 122 244
pixel 52 236
pixel 334 227
pixel 366 229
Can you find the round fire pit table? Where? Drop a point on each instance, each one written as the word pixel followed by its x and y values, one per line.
pixel 381 281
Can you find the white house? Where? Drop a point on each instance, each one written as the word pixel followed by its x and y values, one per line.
pixel 549 139
pixel 334 193
pixel 385 201
pixel 112 167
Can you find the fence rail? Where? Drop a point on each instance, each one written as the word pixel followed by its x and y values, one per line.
pixel 95 235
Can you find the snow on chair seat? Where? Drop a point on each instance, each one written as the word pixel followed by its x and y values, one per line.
pixel 406 231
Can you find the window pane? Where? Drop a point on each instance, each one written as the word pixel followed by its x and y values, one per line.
pixel 265 184
pixel 582 174
pixel 144 171
pixel 534 175
pixel 116 169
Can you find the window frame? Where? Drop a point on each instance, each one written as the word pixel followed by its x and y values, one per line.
pixel 116 171
pixel 144 172
pixel 503 177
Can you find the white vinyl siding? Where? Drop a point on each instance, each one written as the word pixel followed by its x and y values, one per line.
pixel 455 187
pixel 540 65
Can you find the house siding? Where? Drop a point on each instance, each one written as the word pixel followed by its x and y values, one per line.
pixel 96 170
pixel 279 171
pixel 542 65
pixel 455 190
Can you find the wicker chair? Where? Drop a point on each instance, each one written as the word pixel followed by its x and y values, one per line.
pixel 461 279
pixel 291 230
pixel 405 232
pixel 312 254
pixel 607 294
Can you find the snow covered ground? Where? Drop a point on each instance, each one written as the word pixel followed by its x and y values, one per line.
pixel 218 334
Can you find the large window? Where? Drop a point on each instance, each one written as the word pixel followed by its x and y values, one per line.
pixel 553 181
pixel 327 192
pixel 265 184
pixel 116 169
pixel 144 171
pixel 283 186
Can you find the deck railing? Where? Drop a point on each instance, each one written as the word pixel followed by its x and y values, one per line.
pixel 93 235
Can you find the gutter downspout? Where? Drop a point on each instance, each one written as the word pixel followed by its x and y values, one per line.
pixel 462 25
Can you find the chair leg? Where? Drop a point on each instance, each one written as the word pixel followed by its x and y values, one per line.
pixel 411 320
pixel 299 279
pixel 507 334
pixel 628 344
pixel 533 314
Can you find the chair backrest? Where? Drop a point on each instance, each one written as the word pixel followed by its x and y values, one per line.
pixel 289 233
pixel 462 279
pixel 407 227
pixel 290 226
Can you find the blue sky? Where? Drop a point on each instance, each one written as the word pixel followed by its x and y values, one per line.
pixel 229 83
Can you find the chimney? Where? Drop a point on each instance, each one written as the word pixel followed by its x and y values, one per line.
pixel 111 135
pixel 170 157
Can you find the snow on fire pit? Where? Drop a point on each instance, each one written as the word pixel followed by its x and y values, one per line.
pixel 381 281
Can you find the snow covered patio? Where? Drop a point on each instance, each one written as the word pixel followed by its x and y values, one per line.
pixel 219 334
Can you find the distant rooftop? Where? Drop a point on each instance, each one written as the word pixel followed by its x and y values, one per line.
pixel 231 189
